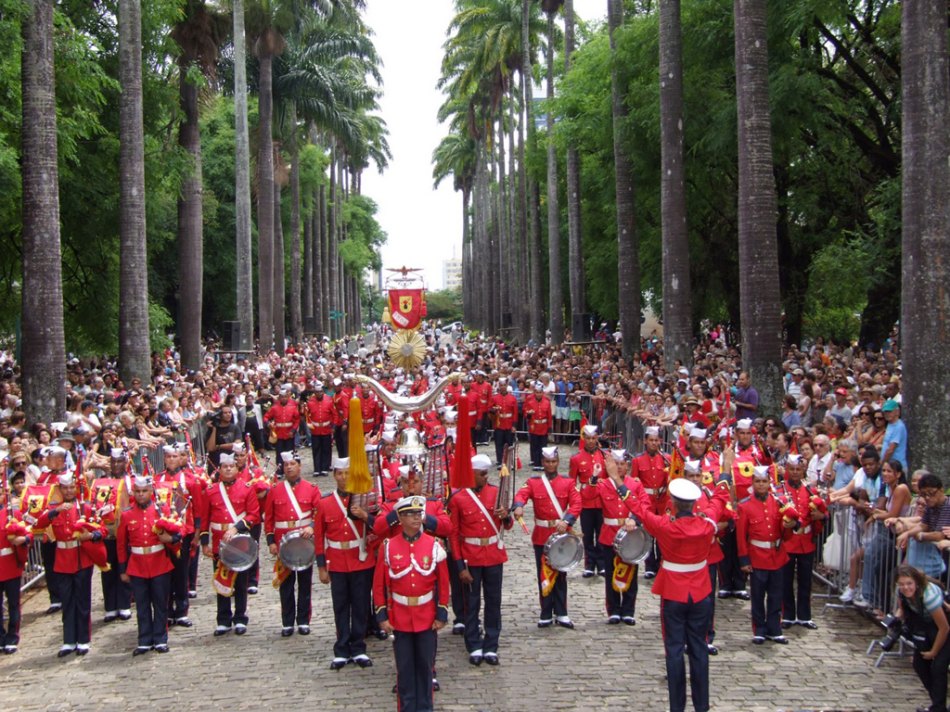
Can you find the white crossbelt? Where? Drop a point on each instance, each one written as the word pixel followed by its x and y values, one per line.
pixel 221 526
pixel 342 544
pixel 67 544
pixel 613 522
pixel 142 550
pixel 683 568
pixel 484 541
pixel 412 600
pixel 765 544
pixel 293 524
pixel 6 552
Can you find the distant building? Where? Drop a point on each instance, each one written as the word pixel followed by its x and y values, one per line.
pixel 452 273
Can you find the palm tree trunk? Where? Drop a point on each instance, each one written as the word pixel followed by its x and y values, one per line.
pixel 529 186
pixel 134 354
pixel 925 233
pixel 516 242
pixel 555 294
pixel 190 236
pixel 320 261
pixel 758 249
pixel 242 185
pixel 677 298
pixel 575 254
pixel 265 203
pixel 308 272
pixel 43 350
pixel 466 258
pixel 503 250
pixel 296 317
pixel 332 275
pixel 280 290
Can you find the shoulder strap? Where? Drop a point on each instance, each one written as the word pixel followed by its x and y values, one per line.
pixel 557 505
pixel 293 499
pixel 227 502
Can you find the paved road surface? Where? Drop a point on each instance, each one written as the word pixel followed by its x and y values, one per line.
pixel 594 667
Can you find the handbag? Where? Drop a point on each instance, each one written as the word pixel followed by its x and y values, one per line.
pixel 832 552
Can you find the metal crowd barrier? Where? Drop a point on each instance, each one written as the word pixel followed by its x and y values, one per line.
pixel 33 571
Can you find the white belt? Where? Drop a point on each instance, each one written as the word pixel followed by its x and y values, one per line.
pixel 549 523
pixel 683 568
pixel 292 524
pixel 806 530
pixel 342 544
pixel 322 424
pixel 654 492
pixel 540 421
pixel 613 522
pixel 67 544
pixel 6 552
pixel 143 550
pixel 221 526
pixel 480 542
pixel 765 544
pixel 412 600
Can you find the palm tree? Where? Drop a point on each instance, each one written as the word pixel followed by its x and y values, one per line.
pixel 677 310
pixel 555 292
pixel 628 243
pixel 925 231
pixel 43 351
pixel 759 302
pixel 242 187
pixel 134 354
pixel 575 254
pixel 527 183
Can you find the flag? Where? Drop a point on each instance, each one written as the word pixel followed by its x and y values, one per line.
pixel 281 572
pixel 224 579
pixel 548 576
pixel 461 475
pixel 623 575
pixel 677 464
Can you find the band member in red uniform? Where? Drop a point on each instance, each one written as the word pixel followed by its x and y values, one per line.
pixel 621 605
pixel 341 402
pixel 504 409
pixel 812 511
pixel 292 506
pixel 411 590
pixel 760 535
pixel 145 565
pixel 344 562
pixel 652 469
pixel 116 594
pixel 682 584
pixel 557 504
pixel 285 417
pixel 386 524
pixel 72 563
pixel 537 413
pixel 15 539
pixel 479 555
pixel 229 508
pixel 586 466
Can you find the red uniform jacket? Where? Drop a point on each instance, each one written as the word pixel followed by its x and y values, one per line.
pixel 805 500
pixel 371 411
pixel 711 467
pixel 70 557
pixel 615 511
pixel 341 401
pixel 471 400
pixel 11 564
pixel 545 513
pixel 685 540
pixel 280 515
pixel 715 504
pixel 338 537
pixel 760 534
pixel 435 522
pixel 186 483
pixel 538 414
pixel 483 392
pixel 452 392
pixel 286 419
pixel 742 468
pixel 475 540
pixel 585 465
pixel 215 517
pixel 652 471
pixel 140 552
pixel 507 412
pixel 411 583
pixel 322 415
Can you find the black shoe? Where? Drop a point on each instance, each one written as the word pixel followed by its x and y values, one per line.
pixel 758 639
pixel 724 594
pixel 161 648
pixel 338 663
pixel 613 620
pixel 787 624
pixel 53 608
pixel 491 658
pixel 240 629
pixel 286 632
pixel 475 659
pixel 252 589
pixel 192 594
pixel 303 629
pixel 629 620
pixel 363 661
pixel 811 625
pixel 139 651
pixel 184 622
pixel 458 629
pixel 589 574
pixel 125 616
pixel 545 623
pixel 110 617
pixel 436 687
pixel 63 652
pixel 744 595
pixel 382 635
pixel 713 650
pixel 221 630
pixel 82 651
pixel 566 623
pixel 780 639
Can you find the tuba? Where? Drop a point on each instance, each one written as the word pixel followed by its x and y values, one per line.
pixel 403 404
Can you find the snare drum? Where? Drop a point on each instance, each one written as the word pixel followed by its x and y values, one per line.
pixel 564 551
pixel 240 553
pixel 633 547
pixel 296 552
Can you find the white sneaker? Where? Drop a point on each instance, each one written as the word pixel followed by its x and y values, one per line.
pixel 847 596
pixel 860 602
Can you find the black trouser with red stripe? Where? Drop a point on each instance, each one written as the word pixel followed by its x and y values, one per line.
pixel 350 592
pixel 178 598
pixel 10 633
pixel 618 604
pixel 713 581
pixel 797 570
pixel 75 591
pixel 684 628
pixel 296 607
pixel 151 608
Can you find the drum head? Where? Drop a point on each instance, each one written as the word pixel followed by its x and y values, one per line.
pixel 296 552
pixel 240 553
pixel 633 547
pixel 564 551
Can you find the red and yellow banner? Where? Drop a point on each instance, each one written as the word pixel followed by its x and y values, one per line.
pixel 406 307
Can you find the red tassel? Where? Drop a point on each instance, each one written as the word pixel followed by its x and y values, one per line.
pixel 462 475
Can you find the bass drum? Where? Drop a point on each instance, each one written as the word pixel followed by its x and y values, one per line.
pixel 296 552
pixel 564 551
pixel 240 553
pixel 633 547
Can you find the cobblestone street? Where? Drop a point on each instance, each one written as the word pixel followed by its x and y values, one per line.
pixel 594 667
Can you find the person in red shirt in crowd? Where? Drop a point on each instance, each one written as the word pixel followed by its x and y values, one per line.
pixel 229 508
pixel 145 565
pixel 801 547
pixel 253 477
pixel 285 417
pixel 13 557
pixel 537 413
pixel 651 467
pixel 370 410
pixel 585 468
pixel 694 414
pixel 322 418
pixel 479 555
pixel 344 562
pixel 504 410
pixel 292 506
pixel 557 504
pixel 411 590
pixel 682 583
pixel 482 390
pixel 761 533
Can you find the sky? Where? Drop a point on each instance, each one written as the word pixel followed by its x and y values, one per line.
pixel 424 225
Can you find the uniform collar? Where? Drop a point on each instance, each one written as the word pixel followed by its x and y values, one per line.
pixel 412 538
